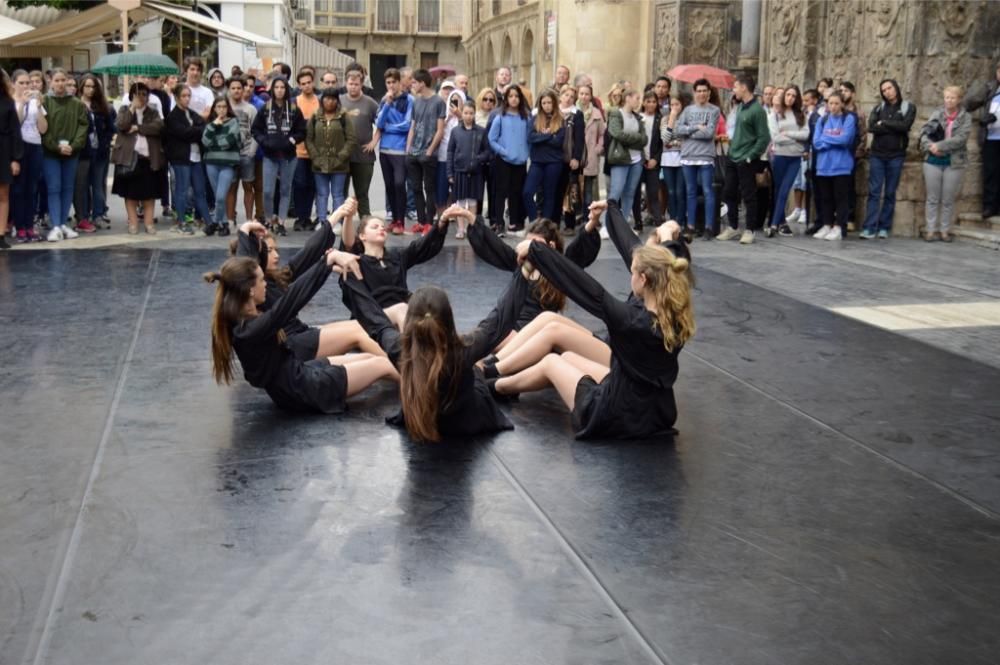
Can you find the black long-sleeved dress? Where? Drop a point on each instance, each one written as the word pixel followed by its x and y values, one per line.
pixel 267 363
pixel 487 246
pixel 303 340
pixel 473 410
pixel 636 399
pixel 386 277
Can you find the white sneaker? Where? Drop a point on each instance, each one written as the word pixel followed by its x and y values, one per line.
pixel 796 215
pixel 748 237
pixel 822 233
pixel 728 234
pixel 55 235
pixel 520 233
pixel 69 233
pixel 604 233
pixel 834 234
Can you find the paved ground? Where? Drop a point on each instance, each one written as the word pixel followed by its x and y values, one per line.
pixel 833 496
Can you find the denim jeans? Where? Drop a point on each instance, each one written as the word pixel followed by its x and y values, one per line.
pixel 304 186
pixel 221 176
pixel 695 177
pixel 673 176
pixel 882 172
pixel 328 184
pixel 273 169
pixel 60 179
pixel 99 185
pixel 785 171
pixel 191 176
pixel 624 179
pixel 544 175
pixel 25 190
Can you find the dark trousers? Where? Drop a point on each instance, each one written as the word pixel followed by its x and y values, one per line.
pixel 567 177
pixel 303 189
pixel 741 185
pixel 544 175
pixel 24 191
pixel 991 176
pixel 833 191
pixel 650 179
pixel 421 172
pixel 508 185
pixel 361 175
pixel 394 177
pixel 81 191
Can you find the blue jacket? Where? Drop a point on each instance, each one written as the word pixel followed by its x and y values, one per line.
pixel 509 138
pixel 394 119
pixel 546 148
pixel 833 140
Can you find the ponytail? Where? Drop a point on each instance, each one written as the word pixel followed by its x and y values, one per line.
pixel 669 279
pixel 235 280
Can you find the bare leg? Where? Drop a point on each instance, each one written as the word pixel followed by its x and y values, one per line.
pixel 555 336
pixel 4 207
pixel 799 195
pixel 133 216
pixel 551 370
pixel 343 336
pixel 511 336
pixel 596 371
pixel 397 314
pixel 363 373
pixel 536 324
pixel 249 196
pixel 148 213
pixel 349 358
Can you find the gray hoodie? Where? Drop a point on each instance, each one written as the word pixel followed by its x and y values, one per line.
pixel 697 144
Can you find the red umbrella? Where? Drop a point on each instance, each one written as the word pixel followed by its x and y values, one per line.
pixel 442 70
pixel 719 78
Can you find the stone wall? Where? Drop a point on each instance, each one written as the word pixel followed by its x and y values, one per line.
pixel 923 45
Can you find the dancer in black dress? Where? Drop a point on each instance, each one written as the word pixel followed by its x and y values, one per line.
pixel 306 342
pixel 258 338
pixel 633 398
pixel 443 393
pixel 384 270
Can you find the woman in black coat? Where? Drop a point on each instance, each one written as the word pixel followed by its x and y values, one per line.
pixel 650 177
pixel 11 151
pixel 182 133
pixel 468 154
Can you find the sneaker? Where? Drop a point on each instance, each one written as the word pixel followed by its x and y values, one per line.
pixel 34 237
pixel 69 233
pixel 834 234
pixel 396 228
pixel 425 229
pixel 520 233
pixel 188 217
pixel 769 232
pixel 728 233
pixel 223 229
pixel 822 232
pixel 603 233
pixel 786 231
pixel 867 235
pixel 707 235
pixel 282 231
pixel 748 237
pixel 798 215
pixel 501 232
pixel 102 222
pixel 86 227
pixel 412 215
pixel 55 235
pixel 883 235
pixel 3 242
pixel 187 228
pixel 416 229
pixel 688 234
pixel 22 236
pixel 209 228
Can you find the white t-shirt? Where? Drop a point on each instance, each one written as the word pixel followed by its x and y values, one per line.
pixel 631 124
pixel 993 131
pixel 202 99
pixel 29 127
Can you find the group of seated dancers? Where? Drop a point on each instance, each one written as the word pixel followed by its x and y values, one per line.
pixel 450 384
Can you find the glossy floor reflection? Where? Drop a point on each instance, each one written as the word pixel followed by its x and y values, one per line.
pixel 833 496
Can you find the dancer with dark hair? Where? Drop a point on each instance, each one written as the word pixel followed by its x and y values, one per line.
pixel 258 339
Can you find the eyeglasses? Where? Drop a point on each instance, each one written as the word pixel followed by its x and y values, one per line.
pixel 490 100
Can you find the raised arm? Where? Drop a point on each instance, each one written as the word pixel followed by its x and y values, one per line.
pixel 316 245
pixel 249 245
pixel 499 322
pixel 286 307
pixel 424 248
pixel 621 235
pixel 578 286
pixel 585 247
pixel 489 247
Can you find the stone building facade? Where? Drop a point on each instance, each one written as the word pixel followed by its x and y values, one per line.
pixel 925 45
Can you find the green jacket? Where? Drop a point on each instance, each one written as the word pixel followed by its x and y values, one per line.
pixel 222 142
pixel 330 142
pixel 751 135
pixel 68 121
pixel 622 141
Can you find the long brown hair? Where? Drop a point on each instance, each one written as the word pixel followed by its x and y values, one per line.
pixel 552 122
pixel 668 277
pixel 549 297
pixel 282 275
pixel 236 278
pixel 431 355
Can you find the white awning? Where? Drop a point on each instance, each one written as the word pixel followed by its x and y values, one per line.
pixel 94 24
pixel 9 27
pixel 309 51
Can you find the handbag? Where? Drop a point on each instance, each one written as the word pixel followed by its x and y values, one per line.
pixel 763 178
pixel 129 168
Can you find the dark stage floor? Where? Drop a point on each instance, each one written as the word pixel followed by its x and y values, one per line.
pixel 833 496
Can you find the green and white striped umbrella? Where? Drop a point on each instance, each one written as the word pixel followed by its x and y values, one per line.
pixel 136 64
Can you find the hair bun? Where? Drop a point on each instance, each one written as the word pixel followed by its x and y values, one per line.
pixel 212 277
pixel 680 264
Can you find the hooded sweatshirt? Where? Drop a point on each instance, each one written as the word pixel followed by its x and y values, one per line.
pixel 393 120
pixel 277 129
pixel 890 125
pixel 833 140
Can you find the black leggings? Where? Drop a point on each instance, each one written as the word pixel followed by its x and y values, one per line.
pixel 509 186
pixel 650 178
pixel 394 177
pixel 832 192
